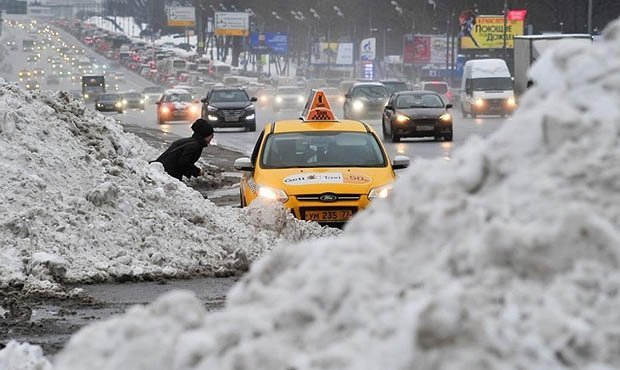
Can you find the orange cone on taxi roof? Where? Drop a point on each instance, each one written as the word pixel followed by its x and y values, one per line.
pixel 318 108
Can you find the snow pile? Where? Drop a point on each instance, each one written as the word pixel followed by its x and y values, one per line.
pixel 506 257
pixel 81 203
pixel 23 357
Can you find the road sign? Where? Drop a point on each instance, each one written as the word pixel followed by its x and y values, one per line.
pixel 368 49
pixel 181 16
pixel 232 24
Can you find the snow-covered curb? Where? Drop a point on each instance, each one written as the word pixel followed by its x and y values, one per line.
pixel 84 205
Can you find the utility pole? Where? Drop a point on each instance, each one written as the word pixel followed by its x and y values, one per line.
pixel 590 17
pixel 505 30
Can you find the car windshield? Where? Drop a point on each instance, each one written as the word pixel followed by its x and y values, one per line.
pixel 371 92
pixel 290 91
pixel 419 101
pixel 108 97
pixel 152 90
pixel 132 96
pixel 322 149
pixel 395 86
pixel 435 87
pixel 491 84
pixel 178 98
pixel 226 96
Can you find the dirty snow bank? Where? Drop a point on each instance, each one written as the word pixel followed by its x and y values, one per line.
pixel 81 203
pixel 505 257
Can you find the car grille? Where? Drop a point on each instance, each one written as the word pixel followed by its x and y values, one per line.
pixel 495 103
pixel 232 115
pixel 317 198
pixel 425 121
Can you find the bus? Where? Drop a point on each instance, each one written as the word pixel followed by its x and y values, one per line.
pixel 92 86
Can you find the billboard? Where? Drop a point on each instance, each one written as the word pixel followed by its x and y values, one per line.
pixel 269 43
pixel 332 53
pixel 487 31
pixel 425 49
pixel 232 24
pixel 368 49
pixel 181 16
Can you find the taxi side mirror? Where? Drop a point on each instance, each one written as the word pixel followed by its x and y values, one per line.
pixel 400 162
pixel 243 164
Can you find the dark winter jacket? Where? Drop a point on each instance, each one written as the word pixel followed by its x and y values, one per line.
pixel 179 159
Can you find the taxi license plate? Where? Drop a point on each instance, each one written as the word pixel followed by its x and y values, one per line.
pixel 425 128
pixel 327 216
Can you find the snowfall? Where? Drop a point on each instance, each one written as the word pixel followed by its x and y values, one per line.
pixel 505 257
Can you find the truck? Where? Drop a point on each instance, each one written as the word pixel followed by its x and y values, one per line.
pixel 92 85
pixel 527 49
pixel 486 88
pixel 28 45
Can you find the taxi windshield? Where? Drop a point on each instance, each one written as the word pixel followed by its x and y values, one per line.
pixel 322 149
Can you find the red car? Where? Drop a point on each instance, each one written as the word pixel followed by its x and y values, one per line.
pixel 177 105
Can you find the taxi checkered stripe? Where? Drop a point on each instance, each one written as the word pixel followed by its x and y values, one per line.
pixel 319 116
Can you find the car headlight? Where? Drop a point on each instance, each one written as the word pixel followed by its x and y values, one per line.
pixel 194 109
pixel 165 110
pixel 263 99
pixel 86 96
pixel 479 102
pixel 381 192
pixel 124 101
pixel 300 99
pixel 358 105
pixel 445 118
pixel 511 102
pixel 212 117
pixel 272 194
pixel 401 118
pixel 278 99
pixel 118 104
pixel 211 108
pixel 250 117
pixel 141 101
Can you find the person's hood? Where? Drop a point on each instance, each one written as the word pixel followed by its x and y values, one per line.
pixel 202 128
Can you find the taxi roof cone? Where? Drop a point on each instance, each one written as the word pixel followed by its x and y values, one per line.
pixel 317 108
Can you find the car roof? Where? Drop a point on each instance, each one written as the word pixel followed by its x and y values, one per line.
pixel 367 84
pixel 415 92
pixel 287 126
pixel 176 91
pixel 224 88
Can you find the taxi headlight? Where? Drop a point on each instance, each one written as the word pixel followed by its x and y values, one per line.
pixel 358 105
pixel 278 99
pixel 445 118
pixel 401 118
pixel 272 194
pixel 381 192
pixel 511 102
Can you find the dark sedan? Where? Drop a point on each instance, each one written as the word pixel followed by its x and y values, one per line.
pixel 229 107
pixel 416 114
pixel 109 103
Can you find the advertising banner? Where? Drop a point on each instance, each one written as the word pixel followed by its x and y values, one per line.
pixel 345 54
pixel 424 49
pixel 487 31
pixel 324 53
pixel 269 43
pixel 232 24
pixel 181 16
pixel 368 49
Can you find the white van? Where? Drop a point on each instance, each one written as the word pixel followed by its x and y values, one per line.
pixel 486 88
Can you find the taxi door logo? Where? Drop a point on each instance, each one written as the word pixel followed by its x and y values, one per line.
pixel 314 178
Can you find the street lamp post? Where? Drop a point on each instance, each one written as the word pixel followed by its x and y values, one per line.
pixel 590 17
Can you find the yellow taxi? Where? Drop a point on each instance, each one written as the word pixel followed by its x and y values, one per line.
pixel 320 168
